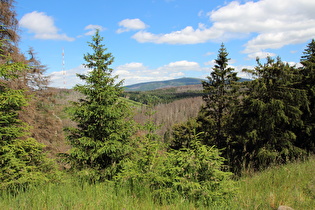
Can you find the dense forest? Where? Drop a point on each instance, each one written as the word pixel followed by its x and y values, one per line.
pixel 175 142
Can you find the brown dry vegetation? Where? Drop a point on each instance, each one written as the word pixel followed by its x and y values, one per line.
pixel 51 118
pixel 166 115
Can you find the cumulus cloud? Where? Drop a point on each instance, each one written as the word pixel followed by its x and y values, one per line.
pixel 267 24
pixel 209 53
pixel 92 29
pixel 131 24
pixel 277 23
pixel 68 78
pixel 210 63
pixel 42 26
pixel 260 54
pixel 134 72
pixel 188 35
pixel 182 65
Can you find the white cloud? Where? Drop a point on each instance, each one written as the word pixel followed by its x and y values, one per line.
pixel 209 53
pixel 276 22
pixel 135 72
pixel 131 24
pixel 183 65
pixel 132 65
pixel 268 24
pixel 242 74
pixel 188 35
pixel 260 55
pixel 92 29
pixel 68 78
pixel 42 26
pixel 210 63
pixel 178 74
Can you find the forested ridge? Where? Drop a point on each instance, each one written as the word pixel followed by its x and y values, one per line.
pixel 192 144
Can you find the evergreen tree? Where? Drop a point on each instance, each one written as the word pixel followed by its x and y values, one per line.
pixel 194 173
pixel 184 133
pixel 100 140
pixel 31 78
pixel 220 96
pixel 22 158
pixel 8 29
pixel 266 121
pixel 307 81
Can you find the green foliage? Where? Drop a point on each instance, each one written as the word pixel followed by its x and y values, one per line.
pixel 194 173
pixel 266 121
pixel 100 139
pixel 291 185
pixel 161 96
pixel 22 160
pixel 183 134
pixel 306 82
pixel 220 96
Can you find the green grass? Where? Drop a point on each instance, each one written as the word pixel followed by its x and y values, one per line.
pixel 131 102
pixel 292 185
pixel 82 196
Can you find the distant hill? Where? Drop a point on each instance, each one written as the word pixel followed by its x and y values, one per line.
pixel 166 84
pixel 163 84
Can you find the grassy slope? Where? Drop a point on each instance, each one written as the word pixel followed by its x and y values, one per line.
pixel 292 185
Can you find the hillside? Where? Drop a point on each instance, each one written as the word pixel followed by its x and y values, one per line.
pixel 163 84
pixel 186 81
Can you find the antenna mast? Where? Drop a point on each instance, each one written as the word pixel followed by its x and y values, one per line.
pixel 63 68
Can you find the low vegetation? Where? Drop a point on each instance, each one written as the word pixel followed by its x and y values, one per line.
pixel 291 185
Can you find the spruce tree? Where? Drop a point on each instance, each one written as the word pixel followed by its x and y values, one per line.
pixel 22 158
pixel 31 79
pixel 220 96
pixel 265 123
pixel 307 81
pixel 100 140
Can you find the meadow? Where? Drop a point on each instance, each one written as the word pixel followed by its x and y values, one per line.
pixel 291 185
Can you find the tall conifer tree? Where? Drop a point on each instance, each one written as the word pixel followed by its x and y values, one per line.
pixel 31 78
pixel 103 131
pixel 22 158
pixel 220 95
pixel 266 121
pixel 307 83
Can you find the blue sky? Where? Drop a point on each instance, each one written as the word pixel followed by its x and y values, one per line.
pixel 154 40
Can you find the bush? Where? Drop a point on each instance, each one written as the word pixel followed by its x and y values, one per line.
pixel 194 173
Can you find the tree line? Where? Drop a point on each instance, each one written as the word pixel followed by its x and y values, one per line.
pixel 259 123
pixel 161 96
